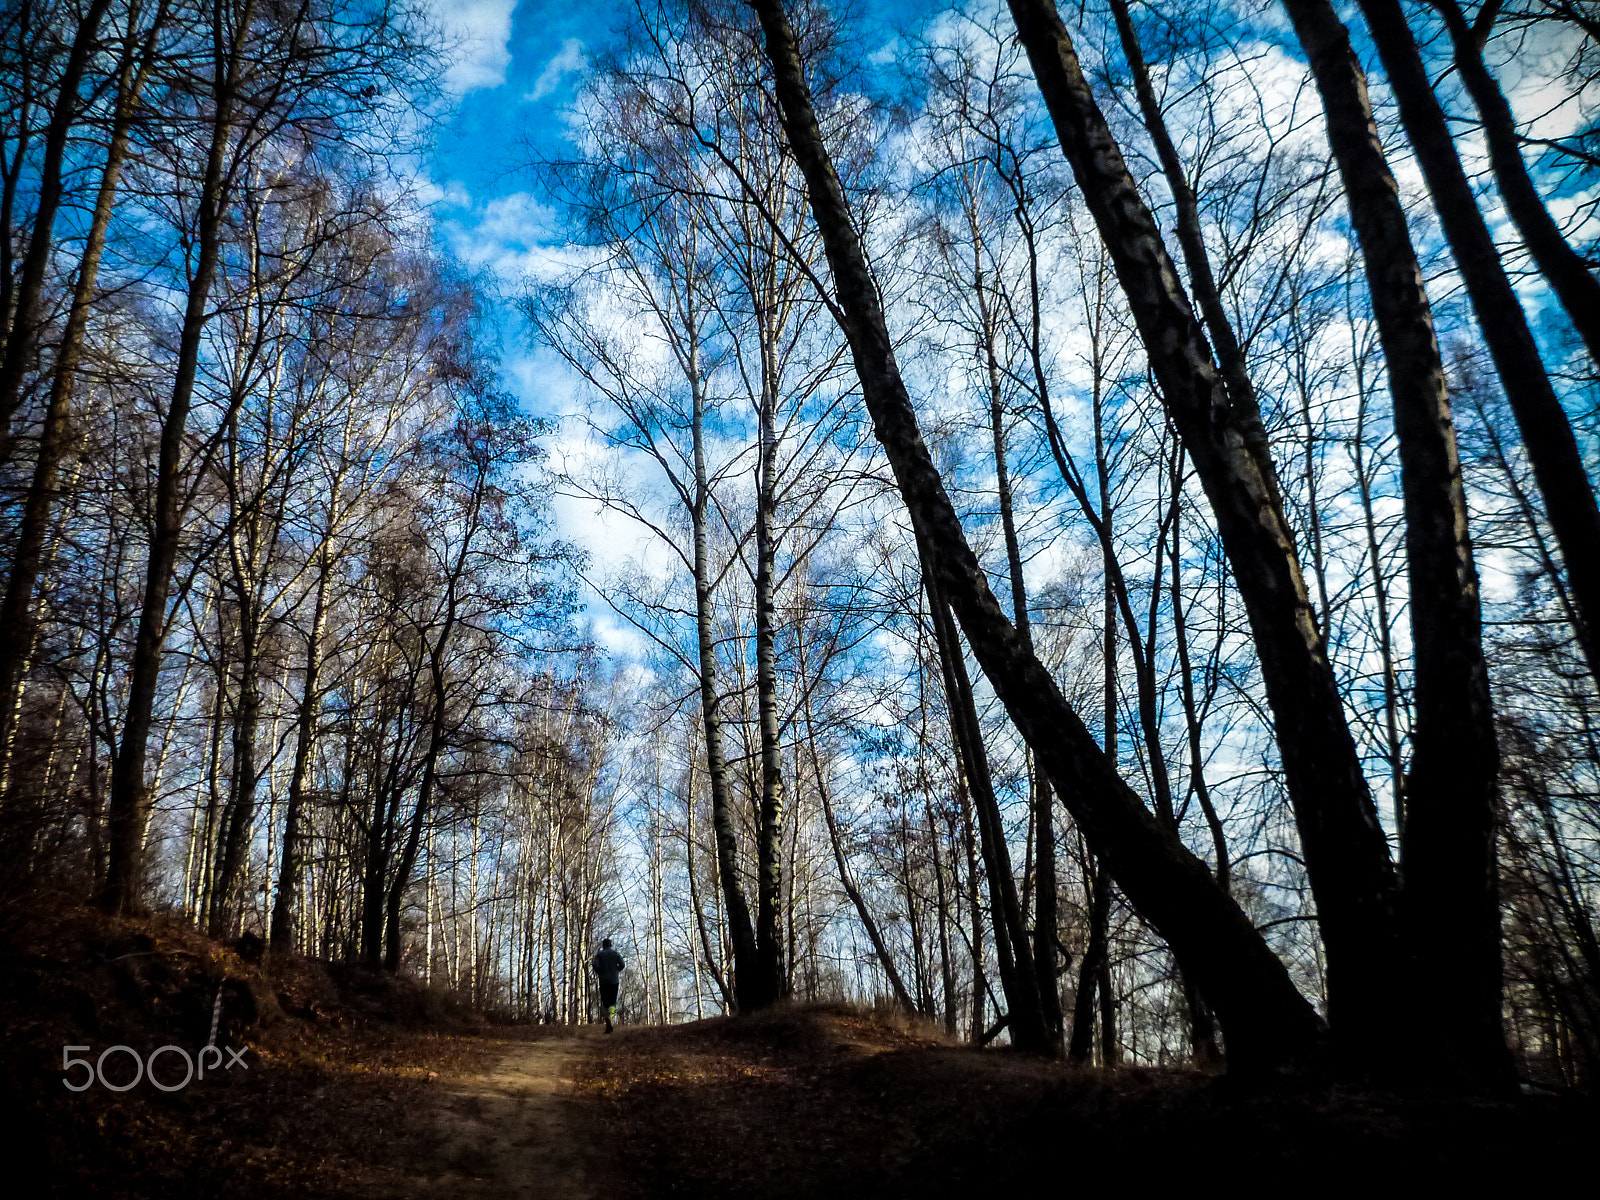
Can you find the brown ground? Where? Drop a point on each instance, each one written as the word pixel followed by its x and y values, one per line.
pixel 834 1104
pixel 505 1131
pixel 360 1087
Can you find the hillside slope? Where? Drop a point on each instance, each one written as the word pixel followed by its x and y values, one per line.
pixel 328 1064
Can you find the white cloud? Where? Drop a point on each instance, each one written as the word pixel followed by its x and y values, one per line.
pixel 452 194
pixel 623 641
pixel 480 31
pixel 513 236
pixel 515 219
pixel 567 60
pixel 884 54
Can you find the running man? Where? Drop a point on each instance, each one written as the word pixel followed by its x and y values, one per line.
pixel 608 967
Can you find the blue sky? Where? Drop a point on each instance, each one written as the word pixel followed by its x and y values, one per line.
pixel 515 69
pixel 514 72
pixel 520 65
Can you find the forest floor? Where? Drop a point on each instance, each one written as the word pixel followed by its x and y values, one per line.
pixel 828 1103
pixel 361 1086
pixel 507 1131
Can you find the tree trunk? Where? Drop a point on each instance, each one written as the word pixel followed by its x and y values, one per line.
pixel 969 843
pixel 239 815
pixel 771 982
pixel 22 99
pixel 947 974
pixel 1202 280
pixel 25 319
pixel 1044 848
pixel 1380 591
pixel 1266 1020
pixel 1090 971
pixel 1191 706
pixel 18 624
pixel 129 804
pixel 373 876
pixel 1019 978
pixel 1110 1046
pixel 699 911
pixel 394 900
pixel 1546 431
pixel 1202 1028
pixel 1081 1049
pixel 438 654
pixel 746 971
pixel 1451 897
pixel 1345 849
pixel 285 907
pixel 206 876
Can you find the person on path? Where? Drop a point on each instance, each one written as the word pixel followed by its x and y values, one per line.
pixel 608 967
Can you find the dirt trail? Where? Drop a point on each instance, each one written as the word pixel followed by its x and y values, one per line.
pixel 507 1133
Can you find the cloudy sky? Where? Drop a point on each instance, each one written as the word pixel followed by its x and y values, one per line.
pixel 515 66
pixel 514 69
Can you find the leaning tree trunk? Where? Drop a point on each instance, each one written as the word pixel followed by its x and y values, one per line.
pixel 1202 279
pixel 1569 274
pixel 1346 852
pixel 1265 1019
pixel 1450 898
pixel 1546 431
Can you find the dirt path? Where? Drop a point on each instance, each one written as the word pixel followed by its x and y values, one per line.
pixel 506 1133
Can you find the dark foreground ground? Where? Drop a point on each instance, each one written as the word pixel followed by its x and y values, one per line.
pixel 360 1086
pixel 827 1103
pixel 335 1064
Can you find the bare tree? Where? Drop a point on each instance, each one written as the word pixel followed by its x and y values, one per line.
pixel 1263 1016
